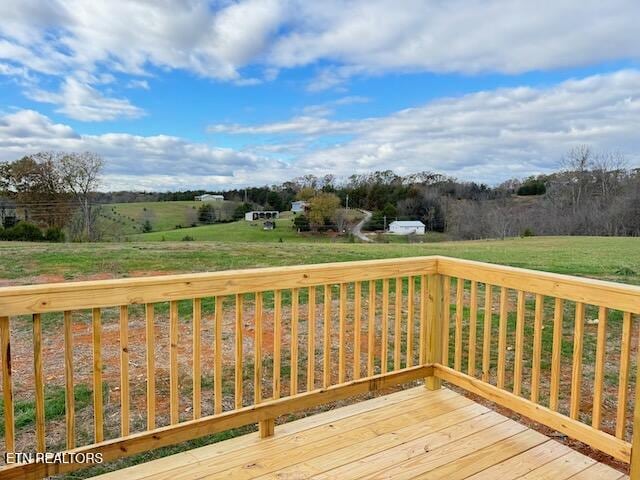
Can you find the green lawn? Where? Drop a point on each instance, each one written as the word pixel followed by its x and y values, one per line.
pixel 240 231
pixel 601 257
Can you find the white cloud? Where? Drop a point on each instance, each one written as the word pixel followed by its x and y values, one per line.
pixel 487 136
pixel 338 38
pixel 156 162
pixel 142 84
pixel 81 101
pixel 349 37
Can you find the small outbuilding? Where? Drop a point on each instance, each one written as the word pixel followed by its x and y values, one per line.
pixel 265 215
pixel 406 227
pixel 299 206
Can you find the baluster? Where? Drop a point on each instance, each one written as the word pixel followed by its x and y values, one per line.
pixel 239 368
pixel 486 335
pixel 502 338
pixel 576 373
pixel 277 342
pixel 623 380
pixel 311 338
pixel 556 354
pixel 537 349
pixel 384 351
pixel 342 333
pixel 446 319
pixel 196 367
pixel 98 418
pixel 410 319
pixel 601 345
pixel 422 335
pixel 257 346
pixel 326 357
pixel 69 397
pixel 397 336
pixel 473 322
pixel 174 394
pixel 39 382
pixel 217 356
pixel 371 330
pixel 634 467
pixel 517 367
pixel 459 312
pixel 7 385
pixel 294 340
pixel 151 368
pixel 357 328
pixel 124 370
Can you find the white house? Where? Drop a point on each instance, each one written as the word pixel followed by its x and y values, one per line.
pixel 266 215
pixel 208 197
pixel 299 206
pixel 405 227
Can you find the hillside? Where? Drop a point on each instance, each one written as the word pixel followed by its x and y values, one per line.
pixel 120 219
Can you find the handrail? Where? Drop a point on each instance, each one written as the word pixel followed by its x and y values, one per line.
pixel 476 325
pixel 53 297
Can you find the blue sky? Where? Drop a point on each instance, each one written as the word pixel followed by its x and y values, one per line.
pixel 229 93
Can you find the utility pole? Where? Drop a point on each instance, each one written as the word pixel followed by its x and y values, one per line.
pixel 347 205
pixel 385 223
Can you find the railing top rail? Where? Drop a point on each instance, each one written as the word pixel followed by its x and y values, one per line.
pixel 614 295
pixel 55 297
pixel 43 298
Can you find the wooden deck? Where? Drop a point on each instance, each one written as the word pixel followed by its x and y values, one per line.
pixel 414 433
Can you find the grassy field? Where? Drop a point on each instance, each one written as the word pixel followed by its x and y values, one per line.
pixel 600 257
pixel 240 231
pixel 128 218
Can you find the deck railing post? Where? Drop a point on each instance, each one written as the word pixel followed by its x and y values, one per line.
pixel 267 427
pixel 435 302
pixel 634 469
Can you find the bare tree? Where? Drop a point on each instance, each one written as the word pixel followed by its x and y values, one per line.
pixel 80 172
pixel 577 164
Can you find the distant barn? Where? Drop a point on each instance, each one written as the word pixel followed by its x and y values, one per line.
pixel 406 227
pixel 209 197
pixel 266 215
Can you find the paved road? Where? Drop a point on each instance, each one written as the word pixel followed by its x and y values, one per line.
pixel 357 229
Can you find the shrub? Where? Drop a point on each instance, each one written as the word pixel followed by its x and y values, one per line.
pixel 54 234
pixel 146 226
pixel 206 214
pixel 527 233
pixel 238 213
pixel 23 231
pixel 302 224
pixel 532 187
pixel 188 238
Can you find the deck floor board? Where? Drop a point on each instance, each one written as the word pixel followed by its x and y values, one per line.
pixel 414 433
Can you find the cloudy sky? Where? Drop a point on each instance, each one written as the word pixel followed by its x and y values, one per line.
pixel 195 94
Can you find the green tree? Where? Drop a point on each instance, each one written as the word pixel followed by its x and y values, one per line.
pixel 322 208
pixel 206 214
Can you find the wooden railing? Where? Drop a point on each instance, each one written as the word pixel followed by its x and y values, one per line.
pixel 173 358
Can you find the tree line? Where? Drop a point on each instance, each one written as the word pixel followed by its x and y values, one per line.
pixel 591 193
